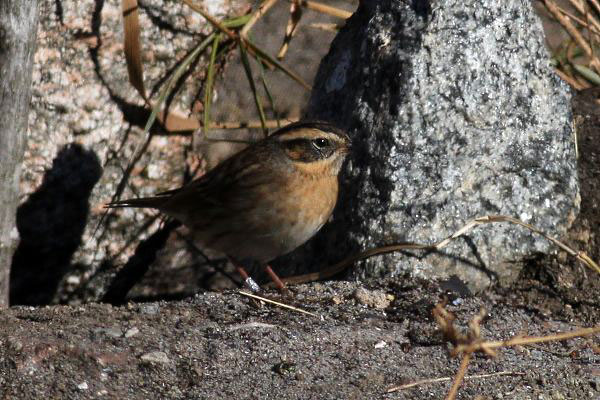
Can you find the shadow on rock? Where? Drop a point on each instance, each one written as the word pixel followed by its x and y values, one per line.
pixel 51 223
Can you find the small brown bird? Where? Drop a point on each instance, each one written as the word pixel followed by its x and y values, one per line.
pixel 264 201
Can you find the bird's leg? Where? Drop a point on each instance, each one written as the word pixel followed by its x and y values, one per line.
pixel 248 281
pixel 251 284
pixel 278 283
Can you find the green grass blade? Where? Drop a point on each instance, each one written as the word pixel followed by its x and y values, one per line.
pixel 264 55
pixel 248 70
pixel 166 90
pixel 208 91
pixel 268 92
pixel 587 73
pixel 237 22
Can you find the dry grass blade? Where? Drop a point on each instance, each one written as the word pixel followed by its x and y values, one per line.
pixel 583 9
pixel 213 21
pixel 573 82
pixel 131 34
pixel 325 9
pixel 593 28
pixel 262 10
pixel 342 265
pixel 290 29
pixel 577 36
pixel 447 379
pixel 174 122
pixel 325 27
pixel 248 70
pixel 270 124
pixel 283 305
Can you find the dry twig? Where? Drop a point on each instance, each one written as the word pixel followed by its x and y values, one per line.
pixel 466 344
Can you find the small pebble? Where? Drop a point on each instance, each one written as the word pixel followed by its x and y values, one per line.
pixel 372 298
pixel 131 332
pixel 158 357
pixel 149 309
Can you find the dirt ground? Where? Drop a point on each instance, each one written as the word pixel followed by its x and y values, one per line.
pixel 365 339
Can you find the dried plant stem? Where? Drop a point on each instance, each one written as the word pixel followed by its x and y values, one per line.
pixel 282 305
pixel 262 10
pixel 325 9
pixel 522 341
pixel 252 49
pixel 213 21
pixel 466 344
pixel 325 26
pixel 460 375
pixel 342 265
pixel 595 29
pixel 572 30
pixel 447 379
pixel 569 27
pixel 270 123
pixel 291 28
pixel 575 84
pixel 581 7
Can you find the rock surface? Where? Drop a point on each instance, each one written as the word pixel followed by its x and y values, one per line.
pixel 454 113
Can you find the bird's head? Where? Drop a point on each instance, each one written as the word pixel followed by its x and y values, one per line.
pixel 314 147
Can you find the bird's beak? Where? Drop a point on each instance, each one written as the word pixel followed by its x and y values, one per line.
pixel 348 147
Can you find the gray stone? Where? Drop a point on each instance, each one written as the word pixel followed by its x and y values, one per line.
pixel 372 298
pixel 455 113
pixel 149 308
pixel 155 357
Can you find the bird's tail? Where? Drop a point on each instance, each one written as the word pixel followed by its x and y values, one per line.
pixel 144 202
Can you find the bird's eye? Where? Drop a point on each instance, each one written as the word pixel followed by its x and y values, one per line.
pixel 321 143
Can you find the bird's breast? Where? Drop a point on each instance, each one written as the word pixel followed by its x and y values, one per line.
pixel 307 206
